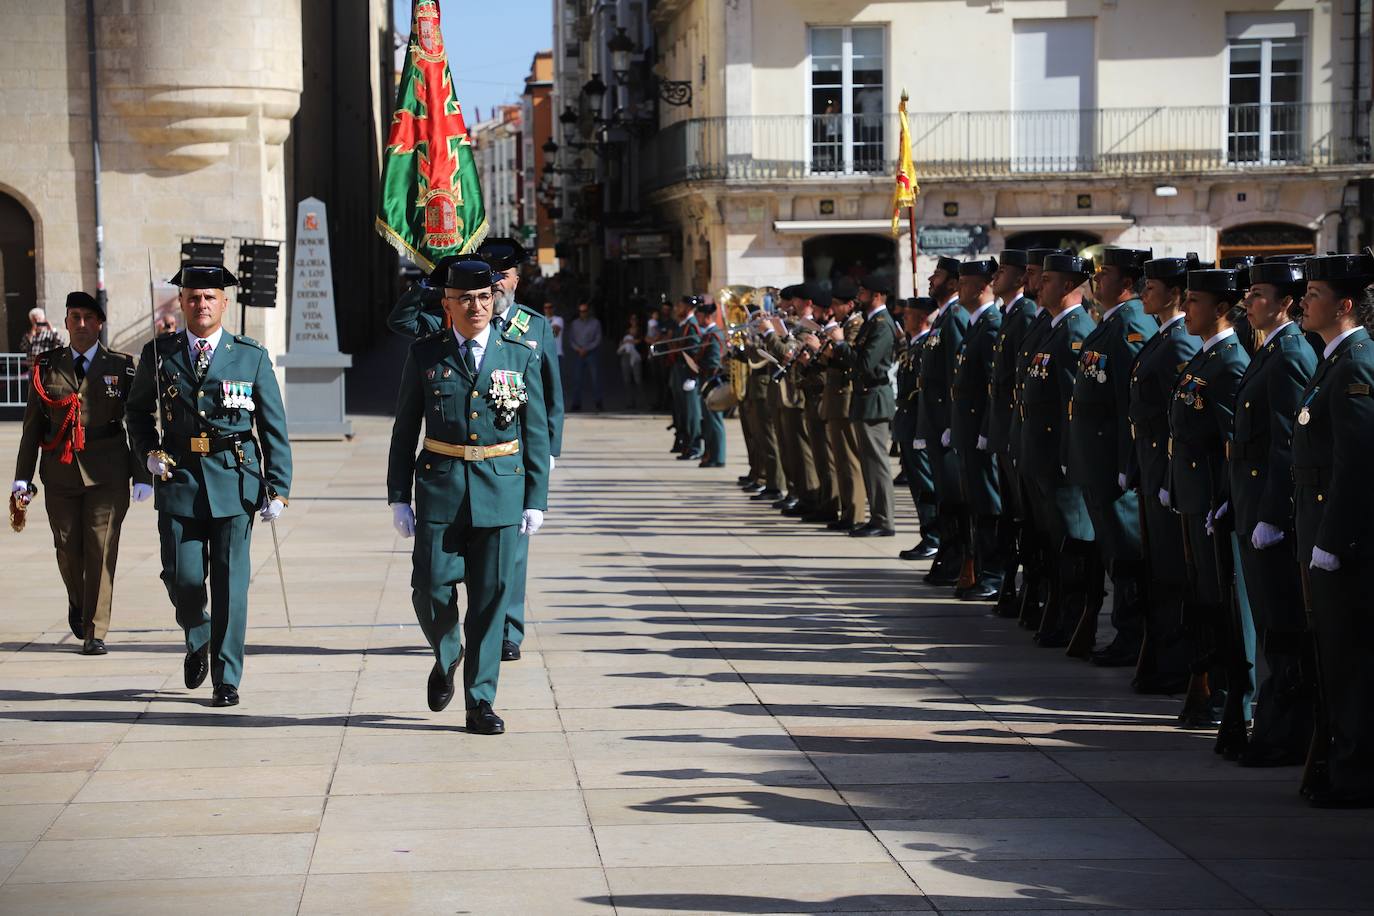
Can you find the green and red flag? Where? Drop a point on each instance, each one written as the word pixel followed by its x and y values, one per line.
pixel 431 200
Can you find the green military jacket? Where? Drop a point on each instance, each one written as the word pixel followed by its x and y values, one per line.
pixel 229 479
pixel 1200 426
pixel 1030 342
pixel 785 392
pixel 908 395
pixel 1332 444
pixel 1154 373
pixel 1045 396
pixel 459 410
pixel 415 315
pixel 939 352
pixel 1099 430
pixel 106 457
pixel 1016 321
pixel 839 387
pixel 1261 458
pixel 874 349
pixel 973 371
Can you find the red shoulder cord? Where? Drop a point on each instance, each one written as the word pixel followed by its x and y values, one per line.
pixel 71 435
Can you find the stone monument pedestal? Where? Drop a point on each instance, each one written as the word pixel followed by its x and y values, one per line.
pixel 315 395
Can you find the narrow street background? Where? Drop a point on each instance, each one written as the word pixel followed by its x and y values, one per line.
pixel 719 710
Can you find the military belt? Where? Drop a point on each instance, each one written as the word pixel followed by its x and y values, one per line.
pixel 205 445
pixel 472 452
pixel 1311 477
pixel 108 431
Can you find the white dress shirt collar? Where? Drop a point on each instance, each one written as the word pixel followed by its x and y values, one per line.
pixel 1172 321
pixel 1112 311
pixel 1218 338
pixel 875 310
pixel 1331 347
pixel 1054 322
pixel 979 313
pixel 213 338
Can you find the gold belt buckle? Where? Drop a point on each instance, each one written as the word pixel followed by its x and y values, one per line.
pixel 200 445
pixel 474 453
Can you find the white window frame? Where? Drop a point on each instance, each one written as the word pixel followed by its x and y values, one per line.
pixel 846 89
pixel 1265 29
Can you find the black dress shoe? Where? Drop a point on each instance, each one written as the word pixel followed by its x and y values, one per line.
pixel 196 666
pixel 93 646
pixel 440 692
pixel 712 464
pixel 744 480
pixel 74 620
pixel 979 593
pixel 840 525
pixel 768 493
pixel 482 721
pixel 782 502
pixel 225 695
pixel 796 511
pixel 510 652
pixel 691 456
pixel 921 551
pixel 873 531
pixel 1115 656
pixel 753 489
pixel 939 578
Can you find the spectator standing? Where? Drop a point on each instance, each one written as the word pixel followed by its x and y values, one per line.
pixel 41 337
pixel 585 339
pixel 631 352
pixel 556 324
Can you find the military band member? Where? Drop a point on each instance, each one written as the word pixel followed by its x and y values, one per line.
pixel 1076 575
pixel 1099 438
pixel 1018 311
pixel 938 354
pixel 873 402
pixel 1260 463
pixel 1332 444
pixel 916 319
pixel 480 482
pixel 839 430
pixel 811 380
pixel 757 392
pixel 214 390
pixel 1200 426
pixel 75 419
pixel 785 404
pixel 710 366
pixel 978 479
pixel 1166 653
pixel 684 375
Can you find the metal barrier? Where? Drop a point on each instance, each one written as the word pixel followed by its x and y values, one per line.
pixel 992 144
pixel 14 380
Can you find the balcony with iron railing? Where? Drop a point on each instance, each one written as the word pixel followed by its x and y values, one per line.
pixel 1159 141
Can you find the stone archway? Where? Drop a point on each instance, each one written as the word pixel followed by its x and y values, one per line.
pixel 18 271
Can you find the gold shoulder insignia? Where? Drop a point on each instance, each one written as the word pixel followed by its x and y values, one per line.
pixel 1076 346
pixel 1135 338
pixel 1357 388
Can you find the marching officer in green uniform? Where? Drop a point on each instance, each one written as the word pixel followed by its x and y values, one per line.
pixel 1261 496
pixel 1037 556
pixel 1058 502
pixel 915 462
pixel 1332 443
pixel 1099 439
pixel 480 482
pixel 938 354
pixel 710 366
pixel 873 403
pixel 839 431
pixel 75 419
pixel 1200 427
pixel 1166 653
pixel 1018 311
pixel 969 397
pixel 211 390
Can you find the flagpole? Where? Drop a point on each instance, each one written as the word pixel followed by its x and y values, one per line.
pixel 911 216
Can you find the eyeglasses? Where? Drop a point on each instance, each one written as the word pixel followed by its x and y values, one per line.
pixel 483 298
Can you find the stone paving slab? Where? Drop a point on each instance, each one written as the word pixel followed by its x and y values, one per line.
pixel 718 711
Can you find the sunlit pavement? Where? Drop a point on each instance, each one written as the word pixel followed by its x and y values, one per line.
pixel 718 710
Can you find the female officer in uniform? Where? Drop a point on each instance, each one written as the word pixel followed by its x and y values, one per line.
pixel 1261 484
pixel 1200 425
pixel 1332 444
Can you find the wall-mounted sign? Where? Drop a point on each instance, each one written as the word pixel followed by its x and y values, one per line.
pixel 952 240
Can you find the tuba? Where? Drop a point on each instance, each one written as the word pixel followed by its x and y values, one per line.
pixel 736 302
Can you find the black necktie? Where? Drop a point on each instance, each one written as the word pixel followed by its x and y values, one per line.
pixel 470 357
pixel 80 368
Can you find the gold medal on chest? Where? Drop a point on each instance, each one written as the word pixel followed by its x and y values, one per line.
pixel 1304 416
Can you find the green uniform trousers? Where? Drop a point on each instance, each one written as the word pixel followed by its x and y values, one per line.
pixel 849 475
pixel 515 593
pixel 827 490
pixel 85 530
pixel 712 430
pixel 214 550
pixel 875 438
pixel 483 560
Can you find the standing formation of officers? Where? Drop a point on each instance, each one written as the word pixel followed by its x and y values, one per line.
pixel 1191 435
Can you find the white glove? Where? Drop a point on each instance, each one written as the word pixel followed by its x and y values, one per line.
pixel 1164 498
pixel 20 486
pixel 142 491
pixel 689 385
pixel 982 443
pixel 1121 481
pixel 403 519
pixel 1064 469
pixel 919 445
pixel 272 509
pixel 1213 516
pixel 1323 560
pixel 944 438
pixel 553 462
pixel 1265 535
pixel 531 520
pixel 158 466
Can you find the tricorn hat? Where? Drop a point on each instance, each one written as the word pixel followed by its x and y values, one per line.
pixel 1280 273
pixel 1015 257
pixel 982 267
pixel 502 254
pixel 1222 282
pixel 1129 259
pixel 1065 263
pixel 1342 267
pixel 204 276
pixel 1035 257
pixel 469 274
pixel 1173 268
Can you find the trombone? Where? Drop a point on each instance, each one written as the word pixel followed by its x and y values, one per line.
pixel 675 345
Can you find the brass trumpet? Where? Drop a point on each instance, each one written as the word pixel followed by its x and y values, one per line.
pixel 674 345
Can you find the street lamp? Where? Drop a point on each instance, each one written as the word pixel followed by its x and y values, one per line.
pixel 620 46
pixel 550 153
pixel 569 117
pixel 594 91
